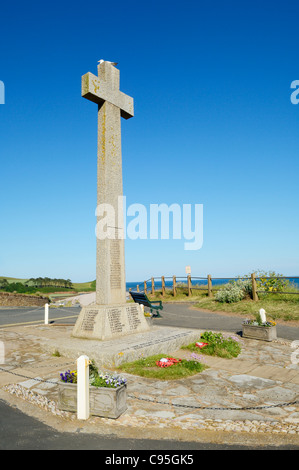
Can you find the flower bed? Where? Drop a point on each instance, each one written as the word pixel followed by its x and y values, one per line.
pixel 96 379
pixel 164 368
pixel 266 324
pixel 107 393
pixel 216 344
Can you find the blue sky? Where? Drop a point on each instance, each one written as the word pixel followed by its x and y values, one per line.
pixel 213 125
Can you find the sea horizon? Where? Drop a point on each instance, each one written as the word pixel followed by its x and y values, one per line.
pixel 195 281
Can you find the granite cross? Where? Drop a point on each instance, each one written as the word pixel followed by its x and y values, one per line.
pixel 112 105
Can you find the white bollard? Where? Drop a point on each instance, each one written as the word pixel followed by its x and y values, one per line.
pixel 83 387
pixel 46 314
pixel 262 313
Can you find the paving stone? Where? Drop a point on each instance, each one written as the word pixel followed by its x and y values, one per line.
pixel 30 383
pixel 295 379
pixel 249 381
pixel 274 373
pixel 164 414
pixel 277 394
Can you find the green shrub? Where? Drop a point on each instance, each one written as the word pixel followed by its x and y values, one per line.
pixel 271 282
pixel 234 291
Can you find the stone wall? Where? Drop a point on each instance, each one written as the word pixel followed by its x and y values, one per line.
pixel 22 300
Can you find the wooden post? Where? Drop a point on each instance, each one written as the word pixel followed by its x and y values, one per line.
pixel 210 293
pixel 189 285
pixel 153 285
pixel 145 287
pixel 163 285
pixel 174 285
pixel 254 288
pixel 137 287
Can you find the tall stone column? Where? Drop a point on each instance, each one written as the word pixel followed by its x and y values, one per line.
pixel 111 316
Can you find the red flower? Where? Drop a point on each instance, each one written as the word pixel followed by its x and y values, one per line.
pixel 201 345
pixel 168 361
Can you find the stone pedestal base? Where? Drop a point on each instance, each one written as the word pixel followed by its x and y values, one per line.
pixel 110 321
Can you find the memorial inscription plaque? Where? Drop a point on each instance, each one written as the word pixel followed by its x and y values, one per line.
pixel 114 319
pixel 106 322
pixel 115 266
pixel 89 320
pixel 133 317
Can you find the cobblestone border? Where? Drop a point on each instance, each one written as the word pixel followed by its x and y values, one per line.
pixel 255 426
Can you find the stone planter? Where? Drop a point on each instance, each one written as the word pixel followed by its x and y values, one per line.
pixel 263 333
pixel 103 401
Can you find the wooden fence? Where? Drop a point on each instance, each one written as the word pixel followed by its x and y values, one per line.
pixel 187 281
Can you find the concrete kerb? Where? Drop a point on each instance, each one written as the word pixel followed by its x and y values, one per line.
pixel 231 395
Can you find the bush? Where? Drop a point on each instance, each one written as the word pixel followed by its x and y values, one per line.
pixel 16 287
pixel 271 282
pixel 234 291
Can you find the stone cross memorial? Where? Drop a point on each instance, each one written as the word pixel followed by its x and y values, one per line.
pixel 111 316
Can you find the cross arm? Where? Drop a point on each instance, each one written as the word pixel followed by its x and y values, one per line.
pixel 96 90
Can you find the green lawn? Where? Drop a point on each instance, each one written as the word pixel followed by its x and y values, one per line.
pixel 217 344
pixel 14 279
pixel 277 307
pixel 146 367
pixel 84 286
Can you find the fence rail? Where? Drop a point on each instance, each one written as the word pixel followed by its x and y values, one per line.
pixel 187 280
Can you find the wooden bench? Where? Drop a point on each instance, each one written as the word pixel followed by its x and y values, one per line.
pixel 141 298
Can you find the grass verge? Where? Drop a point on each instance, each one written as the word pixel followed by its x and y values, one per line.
pixel 218 345
pixel 277 306
pixel 146 367
pixel 283 307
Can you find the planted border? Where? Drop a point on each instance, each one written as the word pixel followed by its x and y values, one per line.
pixel 147 367
pixel 218 345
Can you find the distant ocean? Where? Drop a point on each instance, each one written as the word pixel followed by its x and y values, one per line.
pixel 168 282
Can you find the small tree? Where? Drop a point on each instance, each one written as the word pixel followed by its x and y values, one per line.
pixel 3 284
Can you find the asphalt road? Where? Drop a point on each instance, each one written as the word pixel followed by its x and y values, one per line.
pixel 35 315
pixel 183 316
pixel 21 432
pixel 177 315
